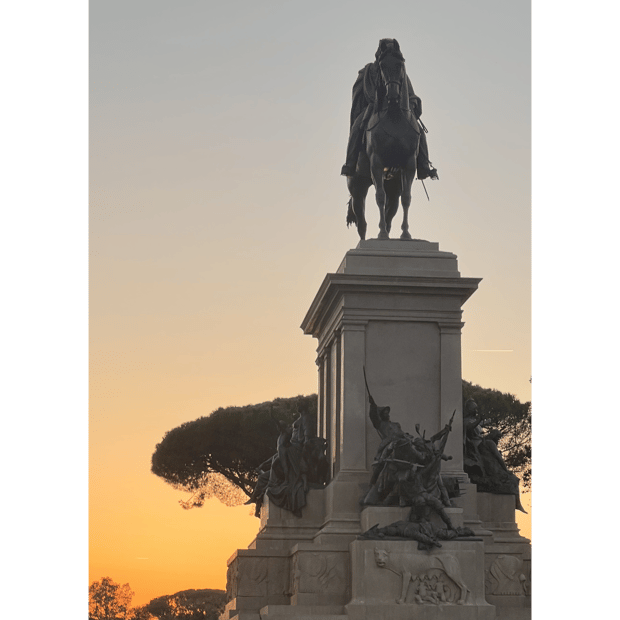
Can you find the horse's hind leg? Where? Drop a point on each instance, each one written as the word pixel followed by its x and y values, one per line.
pixel 358 188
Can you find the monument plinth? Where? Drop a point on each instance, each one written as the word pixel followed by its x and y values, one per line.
pixel 394 310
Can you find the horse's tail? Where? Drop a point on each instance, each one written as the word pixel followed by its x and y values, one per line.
pixel 351 219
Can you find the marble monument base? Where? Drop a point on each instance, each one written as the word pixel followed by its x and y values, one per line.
pixel 391 312
pixel 364 579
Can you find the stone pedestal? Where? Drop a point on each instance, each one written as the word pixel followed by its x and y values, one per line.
pixel 508 558
pixel 393 307
pixel 280 529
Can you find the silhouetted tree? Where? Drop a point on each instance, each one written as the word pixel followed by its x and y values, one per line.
pixel 141 613
pixel 513 419
pixel 216 455
pixel 108 600
pixel 188 605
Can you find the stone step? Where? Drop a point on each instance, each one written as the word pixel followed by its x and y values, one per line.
pixel 304 612
pixel 240 614
pixel 297 616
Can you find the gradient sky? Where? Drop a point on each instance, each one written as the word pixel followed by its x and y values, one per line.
pixel 217 133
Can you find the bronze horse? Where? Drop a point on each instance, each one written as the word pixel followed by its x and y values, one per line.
pixel 390 158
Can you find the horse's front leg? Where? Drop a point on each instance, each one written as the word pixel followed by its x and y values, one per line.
pixel 376 170
pixel 392 196
pixel 407 176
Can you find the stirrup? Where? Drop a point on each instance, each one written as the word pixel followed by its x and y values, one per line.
pixel 428 172
pixel 432 172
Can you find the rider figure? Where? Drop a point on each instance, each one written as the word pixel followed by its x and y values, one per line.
pixel 364 91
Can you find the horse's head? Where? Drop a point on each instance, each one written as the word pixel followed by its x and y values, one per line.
pixel 392 69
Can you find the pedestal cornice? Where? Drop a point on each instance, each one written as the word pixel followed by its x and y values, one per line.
pixel 329 303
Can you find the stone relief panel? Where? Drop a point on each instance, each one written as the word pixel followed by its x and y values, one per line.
pixel 251 576
pixel 527 582
pixel 231 581
pixel 278 578
pixel 318 572
pixel 425 579
pixel 506 577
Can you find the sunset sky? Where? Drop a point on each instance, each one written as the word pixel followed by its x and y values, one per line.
pixel 217 133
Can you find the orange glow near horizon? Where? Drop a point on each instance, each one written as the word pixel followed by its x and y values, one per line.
pixel 171 552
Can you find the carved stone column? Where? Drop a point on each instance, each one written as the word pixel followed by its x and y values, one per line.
pixel 351 399
pixel 452 394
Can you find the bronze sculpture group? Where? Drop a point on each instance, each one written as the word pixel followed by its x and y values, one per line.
pixel 299 464
pixel 406 468
pixel 406 472
pixel 483 462
pixel 387 142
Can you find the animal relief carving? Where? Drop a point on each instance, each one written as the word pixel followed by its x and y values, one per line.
pixel 430 574
pixel 505 577
pixel 317 572
pixel 252 577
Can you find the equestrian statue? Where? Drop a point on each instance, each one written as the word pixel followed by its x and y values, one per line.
pixel 387 143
